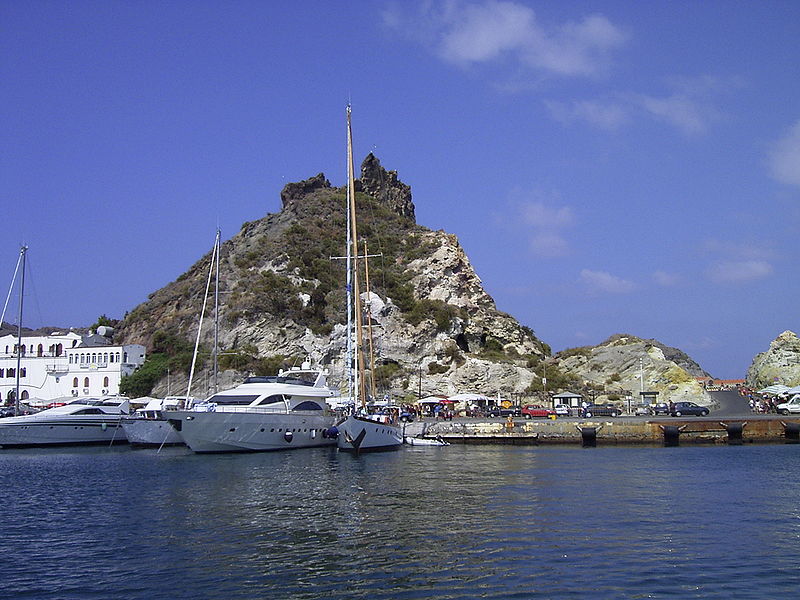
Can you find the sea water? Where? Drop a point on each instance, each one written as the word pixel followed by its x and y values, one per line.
pixel 423 522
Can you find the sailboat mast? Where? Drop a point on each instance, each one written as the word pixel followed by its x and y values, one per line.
pixel 351 185
pixel 202 315
pixel 369 323
pixel 22 254
pixel 216 315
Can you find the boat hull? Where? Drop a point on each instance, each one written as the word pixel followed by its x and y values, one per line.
pixel 151 432
pixel 71 432
pixel 357 435
pixel 250 432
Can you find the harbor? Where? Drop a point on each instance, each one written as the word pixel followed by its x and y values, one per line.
pixel 756 429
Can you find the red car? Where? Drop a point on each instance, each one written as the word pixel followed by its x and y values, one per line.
pixel 535 411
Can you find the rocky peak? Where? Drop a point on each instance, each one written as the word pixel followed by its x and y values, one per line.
pixel 295 191
pixel 386 188
pixel 779 364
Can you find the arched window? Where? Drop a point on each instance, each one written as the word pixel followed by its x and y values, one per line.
pixel 40 350
pixel 24 395
pixel 86 382
pixel 12 395
pixel 22 372
pixel 11 373
pixel 2 372
pixel 105 382
pixel 105 357
pixel 75 382
pixel 59 349
pixel 94 358
pixel 125 357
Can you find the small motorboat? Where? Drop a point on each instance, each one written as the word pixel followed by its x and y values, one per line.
pixel 423 441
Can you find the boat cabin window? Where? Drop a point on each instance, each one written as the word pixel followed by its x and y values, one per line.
pixel 233 398
pixel 89 411
pixel 272 399
pixel 307 405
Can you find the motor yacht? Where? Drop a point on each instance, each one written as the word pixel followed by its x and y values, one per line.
pixel 82 421
pixel 280 412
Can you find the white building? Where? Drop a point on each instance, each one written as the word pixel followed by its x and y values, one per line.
pixel 65 364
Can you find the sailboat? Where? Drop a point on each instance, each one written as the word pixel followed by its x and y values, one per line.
pixel 358 431
pixel 149 426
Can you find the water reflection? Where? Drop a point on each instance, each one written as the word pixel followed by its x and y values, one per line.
pixel 455 522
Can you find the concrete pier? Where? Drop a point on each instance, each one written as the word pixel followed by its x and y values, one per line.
pixel 609 431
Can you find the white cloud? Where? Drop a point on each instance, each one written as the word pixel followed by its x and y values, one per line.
pixel 739 271
pixel 665 279
pixel 683 112
pixel 606 115
pixel 604 282
pixel 467 33
pixel 549 244
pixel 784 157
pixel 547 220
pixel 538 214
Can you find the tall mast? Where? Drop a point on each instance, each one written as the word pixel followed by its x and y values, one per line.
pixel 369 323
pixel 216 315
pixel 22 254
pixel 202 315
pixel 353 246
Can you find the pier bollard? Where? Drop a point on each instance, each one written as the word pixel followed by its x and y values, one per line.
pixel 672 435
pixel 735 431
pixel 589 436
pixel 791 432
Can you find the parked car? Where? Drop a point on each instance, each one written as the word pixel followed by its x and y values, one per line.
pixel 662 408
pixel 680 409
pixel 562 410
pixel 6 412
pixel 601 410
pixel 532 411
pixel 792 406
pixel 499 411
pixel 406 416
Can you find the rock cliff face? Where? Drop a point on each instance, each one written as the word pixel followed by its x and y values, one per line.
pixel 625 364
pixel 435 329
pixel 779 364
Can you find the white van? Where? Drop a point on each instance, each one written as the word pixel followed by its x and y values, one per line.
pixel 792 406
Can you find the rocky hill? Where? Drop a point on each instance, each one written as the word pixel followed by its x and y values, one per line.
pixel 282 297
pixel 435 329
pixel 779 364
pixel 625 364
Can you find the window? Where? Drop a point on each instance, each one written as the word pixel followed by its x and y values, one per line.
pixel 24 395
pixel 105 382
pixel 105 358
pixel 86 382
pixel 22 372
pixel 271 399
pixel 11 373
pixel 2 372
pixel 40 350
pixel 75 382
pixel 307 405
pixel 232 399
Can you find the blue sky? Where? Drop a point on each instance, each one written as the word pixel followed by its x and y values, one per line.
pixel 607 166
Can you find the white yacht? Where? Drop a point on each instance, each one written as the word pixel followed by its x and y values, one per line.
pixel 82 421
pixel 148 426
pixel 280 412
